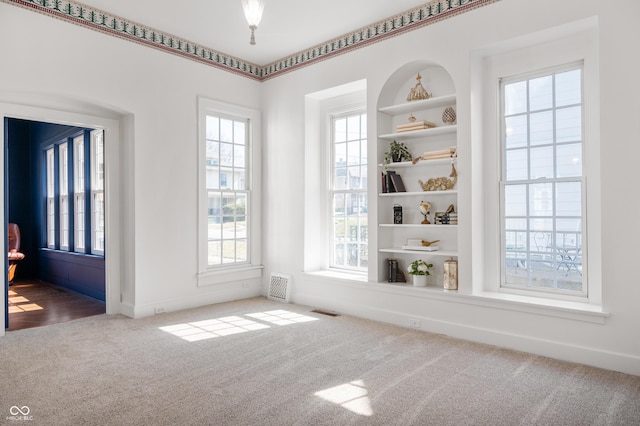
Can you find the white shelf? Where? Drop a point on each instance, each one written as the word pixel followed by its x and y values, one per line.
pixel 445 253
pixel 415 225
pixel 401 164
pixel 418 105
pixel 433 131
pixel 425 193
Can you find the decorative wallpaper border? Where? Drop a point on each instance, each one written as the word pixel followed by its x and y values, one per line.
pixel 80 14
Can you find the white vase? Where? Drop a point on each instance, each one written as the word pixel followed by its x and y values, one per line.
pixel 420 280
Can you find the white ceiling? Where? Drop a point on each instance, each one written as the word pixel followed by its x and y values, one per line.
pixel 287 26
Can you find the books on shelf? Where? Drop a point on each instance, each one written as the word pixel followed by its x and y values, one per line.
pixel 392 182
pixel 440 154
pixel 394 272
pixel 415 125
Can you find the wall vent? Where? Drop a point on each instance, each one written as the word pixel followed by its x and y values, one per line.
pixel 279 287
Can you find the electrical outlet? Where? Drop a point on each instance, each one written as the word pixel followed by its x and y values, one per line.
pixel 414 323
pixel 160 310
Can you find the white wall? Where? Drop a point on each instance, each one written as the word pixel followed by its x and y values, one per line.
pixel 453 43
pixel 50 63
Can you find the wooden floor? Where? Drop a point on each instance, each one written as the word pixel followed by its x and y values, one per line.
pixel 34 304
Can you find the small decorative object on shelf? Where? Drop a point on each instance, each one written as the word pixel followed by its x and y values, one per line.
pixel 421 245
pixel 442 154
pixel 449 217
pixel 418 92
pixel 425 209
pixel 441 183
pixel 397 214
pixel 449 115
pixel 420 270
pixel 398 151
pixel 451 274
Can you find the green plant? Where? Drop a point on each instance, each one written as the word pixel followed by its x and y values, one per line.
pixel 398 151
pixel 419 267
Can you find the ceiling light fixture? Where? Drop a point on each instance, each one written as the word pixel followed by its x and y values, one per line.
pixel 253 13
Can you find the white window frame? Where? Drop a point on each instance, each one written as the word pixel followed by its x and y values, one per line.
pixel 79 209
pixel 576 44
pixel 551 248
pixel 63 190
pixel 97 192
pixel 51 198
pixel 334 190
pixel 252 268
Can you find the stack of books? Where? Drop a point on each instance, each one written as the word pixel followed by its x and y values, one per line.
pixel 392 182
pixel 442 218
pixel 440 154
pixel 414 125
pixel 395 274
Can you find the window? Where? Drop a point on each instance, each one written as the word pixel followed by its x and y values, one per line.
pixel 349 247
pixel 78 191
pixel 63 168
pixel 51 201
pixel 228 196
pixel 542 182
pixel 67 187
pixel 97 192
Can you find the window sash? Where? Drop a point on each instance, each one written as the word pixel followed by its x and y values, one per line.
pixel 542 195
pixel 97 192
pixel 348 193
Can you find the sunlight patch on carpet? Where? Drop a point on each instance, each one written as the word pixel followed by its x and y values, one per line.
pixel 282 317
pixel 226 326
pixel 352 396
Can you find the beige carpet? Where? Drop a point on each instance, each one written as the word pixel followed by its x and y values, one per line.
pixel 258 362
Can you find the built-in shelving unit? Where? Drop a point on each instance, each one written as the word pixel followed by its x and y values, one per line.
pixel 393 111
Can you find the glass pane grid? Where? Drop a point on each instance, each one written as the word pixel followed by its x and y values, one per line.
pixel 349 247
pixel 542 183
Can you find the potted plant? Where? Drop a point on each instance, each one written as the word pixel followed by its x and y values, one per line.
pixel 420 270
pixel 398 151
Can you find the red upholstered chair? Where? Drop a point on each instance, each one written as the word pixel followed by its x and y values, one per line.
pixel 13 247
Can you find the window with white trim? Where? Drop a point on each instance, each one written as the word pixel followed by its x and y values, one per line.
pixel 63 173
pixel 229 195
pixel 79 207
pixel 349 225
pixel 51 200
pixel 97 192
pixel 542 182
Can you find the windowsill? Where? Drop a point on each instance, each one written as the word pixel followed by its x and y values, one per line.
pixel 340 275
pixel 221 276
pixel 525 304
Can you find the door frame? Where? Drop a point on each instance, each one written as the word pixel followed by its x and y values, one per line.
pixel 112 123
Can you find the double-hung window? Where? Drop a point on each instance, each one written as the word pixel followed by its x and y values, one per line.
pixel 542 182
pixel 78 194
pixel 63 173
pixel 97 192
pixel 51 198
pixel 229 197
pixel 349 245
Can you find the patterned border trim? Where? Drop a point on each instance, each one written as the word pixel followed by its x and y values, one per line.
pixel 78 13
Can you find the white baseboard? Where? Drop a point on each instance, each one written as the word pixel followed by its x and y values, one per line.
pixel 594 357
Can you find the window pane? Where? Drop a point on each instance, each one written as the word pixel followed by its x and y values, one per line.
pixel 340 154
pixel 353 151
pixel 569 160
pixel 226 130
pixel 541 128
pixel 516 131
pixel 213 128
pixel 340 130
pixel 515 95
pixel 541 93
pixel 239 132
pixel 226 155
pixel 569 198
pixel 353 128
pixel 542 162
pixel 515 200
pixel 568 88
pixel 541 199
pixel 569 125
pixel 517 168
pixel 238 156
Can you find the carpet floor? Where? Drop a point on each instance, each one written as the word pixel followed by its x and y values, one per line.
pixel 259 362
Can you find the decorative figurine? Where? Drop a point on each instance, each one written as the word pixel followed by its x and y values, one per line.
pixel 418 92
pixel 425 208
pixel 449 115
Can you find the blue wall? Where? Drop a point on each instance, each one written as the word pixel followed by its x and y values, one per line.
pixel 83 273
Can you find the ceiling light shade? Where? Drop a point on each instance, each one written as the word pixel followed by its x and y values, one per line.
pixel 253 12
